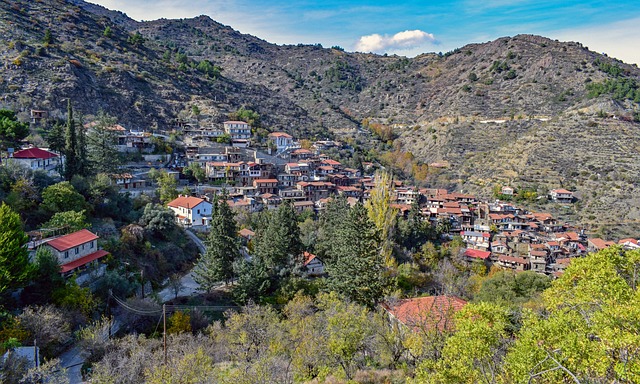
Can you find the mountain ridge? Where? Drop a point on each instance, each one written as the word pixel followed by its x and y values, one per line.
pixel 440 108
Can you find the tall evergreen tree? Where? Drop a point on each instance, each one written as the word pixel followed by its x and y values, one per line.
pixel 56 136
pixel 216 264
pixel 278 242
pixel 81 148
pixel 101 141
pixel 356 267
pixel 71 145
pixel 332 218
pixel 15 268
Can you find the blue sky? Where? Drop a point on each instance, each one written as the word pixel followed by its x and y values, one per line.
pixel 412 27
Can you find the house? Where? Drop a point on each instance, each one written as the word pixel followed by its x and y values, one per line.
pixel 191 210
pixel 597 244
pixel 507 191
pixel 313 265
pixel 629 244
pixel 511 262
pixel 476 240
pixel 237 130
pixel 476 254
pixel 266 185
pixel 422 314
pixel 37 159
pixel 75 251
pixel 281 140
pixel 561 195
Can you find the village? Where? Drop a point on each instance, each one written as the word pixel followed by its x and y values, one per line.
pixel 495 233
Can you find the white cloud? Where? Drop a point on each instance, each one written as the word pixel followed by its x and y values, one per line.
pixel 400 41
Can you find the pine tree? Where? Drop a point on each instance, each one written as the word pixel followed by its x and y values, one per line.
pixel 15 268
pixel 71 145
pixel 356 268
pixel 222 247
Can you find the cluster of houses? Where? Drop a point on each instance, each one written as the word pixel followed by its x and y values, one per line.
pixel 495 233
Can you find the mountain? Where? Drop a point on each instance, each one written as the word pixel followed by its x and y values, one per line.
pixel 523 110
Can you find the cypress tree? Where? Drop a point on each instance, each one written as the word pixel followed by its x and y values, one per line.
pixel 356 267
pixel 278 242
pixel 71 145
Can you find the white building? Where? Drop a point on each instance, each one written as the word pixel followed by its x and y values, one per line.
pixel 76 250
pixel 238 130
pixel 561 195
pixel 315 266
pixel 191 210
pixel 37 159
pixel 282 140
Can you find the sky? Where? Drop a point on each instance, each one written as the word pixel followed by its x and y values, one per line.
pixel 412 27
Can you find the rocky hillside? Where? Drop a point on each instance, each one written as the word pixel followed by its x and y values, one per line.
pixel 524 110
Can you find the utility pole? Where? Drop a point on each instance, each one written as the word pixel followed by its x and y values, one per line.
pixel 164 331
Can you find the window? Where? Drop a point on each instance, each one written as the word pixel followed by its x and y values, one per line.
pixel 77 250
pixel 66 255
pixel 91 245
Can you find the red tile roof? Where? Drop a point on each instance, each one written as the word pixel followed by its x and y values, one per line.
pixel 280 134
pixel 433 312
pixel 185 202
pixel 83 260
pixel 72 240
pixel 477 254
pixel 600 244
pixel 308 257
pixel 34 153
pixel 511 259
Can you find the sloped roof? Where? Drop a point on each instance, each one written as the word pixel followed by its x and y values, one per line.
pixel 185 202
pixel 34 153
pixel 477 254
pixel 432 312
pixel 83 260
pixel 72 240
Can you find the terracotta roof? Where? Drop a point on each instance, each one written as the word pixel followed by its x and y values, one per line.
pixel 280 134
pixel 331 162
pixel 565 261
pixel 72 240
pixel 433 312
pixel 83 260
pixel 629 240
pixel 538 253
pixel 264 181
pixel 308 257
pixel 235 122
pixel 185 202
pixel 477 254
pixel 563 191
pixel 601 244
pixel 245 232
pixel 34 153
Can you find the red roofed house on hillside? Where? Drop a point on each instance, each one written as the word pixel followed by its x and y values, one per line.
pixel 37 159
pixel 191 210
pixel 281 140
pixel 315 266
pixel 476 254
pixel 75 251
pixel 561 195
pixel 426 313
